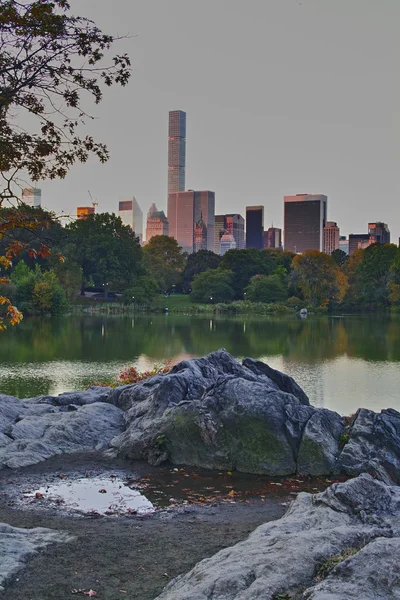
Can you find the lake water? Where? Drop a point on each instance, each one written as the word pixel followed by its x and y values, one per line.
pixel 341 362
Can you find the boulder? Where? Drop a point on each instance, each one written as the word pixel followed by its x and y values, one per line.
pixel 342 540
pixel 216 413
pixel 31 432
pixel 17 545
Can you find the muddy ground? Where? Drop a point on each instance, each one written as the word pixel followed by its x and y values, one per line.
pixel 121 557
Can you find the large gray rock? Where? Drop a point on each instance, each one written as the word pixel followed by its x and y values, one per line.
pixel 17 545
pixel 348 525
pixel 31 432
pixel 373 445
pixel 213 412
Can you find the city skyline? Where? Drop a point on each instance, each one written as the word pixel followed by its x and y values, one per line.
pixel 284 118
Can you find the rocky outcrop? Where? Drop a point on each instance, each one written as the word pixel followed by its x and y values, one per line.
pixel 34 430
pixel 17 545
pixel 339 544
pixel 211 412
pixel 214 412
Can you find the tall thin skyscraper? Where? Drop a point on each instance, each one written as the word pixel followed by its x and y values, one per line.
pixel 176 151
pixel 255 227
pixel 305 219
pixel 331 237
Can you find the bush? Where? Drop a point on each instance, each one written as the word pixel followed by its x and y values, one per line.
pixel 266 288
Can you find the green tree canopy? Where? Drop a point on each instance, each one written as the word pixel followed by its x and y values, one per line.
pixel 266 288
pixel 374 273
pixel 198 262
pixel 319 278
pixel 339 256
pixel 106 250
pixel 165 261
pixel 212 286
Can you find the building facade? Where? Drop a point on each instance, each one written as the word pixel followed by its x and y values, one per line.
pixel 200 235
pixel 176 151
pixel 358 240
pixel 32 197
pixel 344 244
pixel 331 237
pixel 255 227
pixel 82 212
pixel 219 230
pixel 379 232
pixel 273 238
pixel 305 217
pixel 227 242
pixel 157 223
pixel 234 225
pixel 185 209
pixel 131 214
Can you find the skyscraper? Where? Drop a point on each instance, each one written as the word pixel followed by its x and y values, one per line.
pixel 131 214
pixel 331 237
pixel 176 151
pixel 157 223
pixel 255 227
pixel 379 233
pixel 219 230
pixel 226 243
pixel 185 209
pixel 234 224
pixel 304 222
pixel 32 197
pixel 358 240
pixel 273 238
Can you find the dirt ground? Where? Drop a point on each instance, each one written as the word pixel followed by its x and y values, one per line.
pixel 120 557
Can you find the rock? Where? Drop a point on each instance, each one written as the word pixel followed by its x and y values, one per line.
pixel 17 545
pixel 30 433
pixel 373 445
pixel 213 412
pixel 292 555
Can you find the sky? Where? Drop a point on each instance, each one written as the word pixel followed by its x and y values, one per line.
pixel 282 97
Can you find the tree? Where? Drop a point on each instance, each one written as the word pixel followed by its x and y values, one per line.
pixel 142 291
pixel 244 264
pixel 319 278
pixel 164 260
pixel 51 63
pixel 198 262
pixel 212 286
pixel 266 288
pixel 339 256
pixel 105 249
pixel 374 273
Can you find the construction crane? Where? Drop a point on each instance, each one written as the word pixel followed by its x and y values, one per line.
pixel 94 203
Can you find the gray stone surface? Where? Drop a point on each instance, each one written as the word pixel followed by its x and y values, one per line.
pixel 17 545
pixel 287 556
pixel 214 412
pixel 31 432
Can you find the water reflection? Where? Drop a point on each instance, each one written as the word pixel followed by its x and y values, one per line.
pixel 342 363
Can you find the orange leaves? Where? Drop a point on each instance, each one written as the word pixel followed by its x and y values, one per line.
pixel 12 315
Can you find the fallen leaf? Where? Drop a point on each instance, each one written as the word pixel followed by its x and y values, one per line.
pixel 102 491
pixel 90 593
pixel 38 496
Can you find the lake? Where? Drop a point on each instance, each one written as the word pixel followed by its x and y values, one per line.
pixel 342 363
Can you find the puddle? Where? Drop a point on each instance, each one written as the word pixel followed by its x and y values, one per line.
pixel 92 495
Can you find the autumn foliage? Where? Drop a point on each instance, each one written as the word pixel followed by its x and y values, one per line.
pixel 132 375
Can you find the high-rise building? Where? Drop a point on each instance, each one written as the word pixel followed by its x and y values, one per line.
pixel 82 212
pixel 255 227
pixel 185 209
pixel 157 223
pixel 131 214
pixel 304 222
pixel 32 197
pixel 358 240
pixel 176 151
pixel 219 230
pixel 331 237
pixel 379 232
pixel 227 242
pixel 273 238
pixel 234 224
pixel 200 235
pixel 344 244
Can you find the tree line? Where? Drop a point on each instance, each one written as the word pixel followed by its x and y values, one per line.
pixel 103 254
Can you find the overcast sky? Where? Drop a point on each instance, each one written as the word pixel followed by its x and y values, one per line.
pixel 282 97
